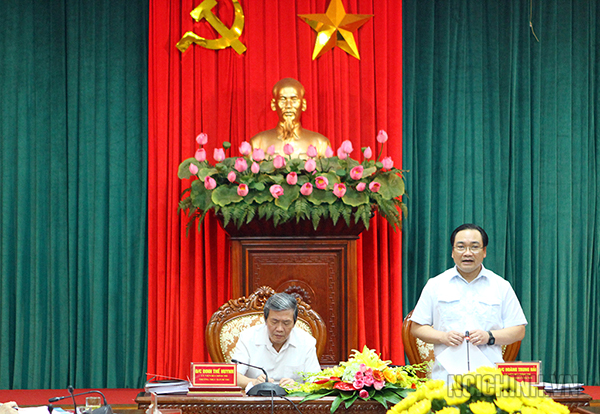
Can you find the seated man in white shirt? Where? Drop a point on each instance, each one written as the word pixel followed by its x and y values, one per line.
pixel 277 346
pixel 468 297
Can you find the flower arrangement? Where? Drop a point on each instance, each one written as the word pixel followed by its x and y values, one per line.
pixel 282 188
pixel 363 376
pixel 486 391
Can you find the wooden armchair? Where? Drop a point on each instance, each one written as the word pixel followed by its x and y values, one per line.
pixel 418 351
pixel 226 324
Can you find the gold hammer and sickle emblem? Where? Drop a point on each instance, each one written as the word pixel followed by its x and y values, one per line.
pixel 229 36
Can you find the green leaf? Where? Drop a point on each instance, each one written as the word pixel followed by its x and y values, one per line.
pixel 334 212
pixel 368 171
pixel 224 195
pixel 205 172
pixel 322 196
pixel 341 173
pixel 392 185
pixel 336 403
pixel 267 167
pixel 346 395
pixel 258 186
pixel 184 168
pixel 350 401
pixel 355 198
pixel 290 194
pixel 379 398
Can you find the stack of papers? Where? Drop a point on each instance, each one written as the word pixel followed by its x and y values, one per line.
pixel 561 388
pixel 167 387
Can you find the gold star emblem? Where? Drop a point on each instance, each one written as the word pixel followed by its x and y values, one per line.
pixel 335 28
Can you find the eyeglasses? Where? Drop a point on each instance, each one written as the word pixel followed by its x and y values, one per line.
pixel 463 249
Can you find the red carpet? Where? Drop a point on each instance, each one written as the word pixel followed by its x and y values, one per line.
pixel 40 397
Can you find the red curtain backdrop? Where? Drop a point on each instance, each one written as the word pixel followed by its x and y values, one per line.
pixel 227 96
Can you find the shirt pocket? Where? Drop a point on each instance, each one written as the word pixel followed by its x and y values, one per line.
pixel 449 308
pixel 489 313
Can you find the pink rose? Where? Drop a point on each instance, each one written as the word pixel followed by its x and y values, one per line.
pixel 346 147
pixel 276 190
pixel 209 182
pixel 358 384
pixel 306 189
pixel 310 165
pixel 357 172
pixel 279 162
pixel 374 186
pixel 231 176
pixel 341 154
pixel 322 182
pixel 339 190
pixel 312 151
pixel 258 154
pixel 382 136
pixel 388 163
pixel 292 178
pixel 255 168
pixel 288 149
pixel 328 152
pixel 202 138
pixel 368 153
pixel 271 150
pixel 361 187
pixel 242 190
pixel 378 385
pixel 241 165
pixel 219 154
pixel 363 367
pixel 193 169
pixel 245 148
pixel 369 380
pixel 200 154
pixel 364 394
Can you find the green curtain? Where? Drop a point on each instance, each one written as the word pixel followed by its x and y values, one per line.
pixel 502 130
pixel 73 177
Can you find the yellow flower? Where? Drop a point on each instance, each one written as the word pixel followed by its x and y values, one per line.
pixel 368 357
pixel 437 394
pixel 468 379
pixel 435 384
pixel 532 401
pixel 482 407
pixel 550 406
pixel 529 410
pixel 389 375
pixel 457 397
pixel 510 405
pixel 422 407
pixel 449 410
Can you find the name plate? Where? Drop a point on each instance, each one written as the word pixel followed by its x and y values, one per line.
pixel 206 374
pixel 521 371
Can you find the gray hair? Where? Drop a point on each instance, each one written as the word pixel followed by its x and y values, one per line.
pixel 281 302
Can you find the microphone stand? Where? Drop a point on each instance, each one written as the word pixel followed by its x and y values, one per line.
pixel 265 389
pixel 104 409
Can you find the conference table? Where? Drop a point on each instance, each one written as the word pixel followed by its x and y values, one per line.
pixel 189 404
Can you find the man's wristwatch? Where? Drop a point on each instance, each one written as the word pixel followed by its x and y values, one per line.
pixel 492 340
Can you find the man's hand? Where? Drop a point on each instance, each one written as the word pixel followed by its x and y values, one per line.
pixel 479 337
pixel 285 381
pixel 261 378
pixel 452 338
pixel 9 408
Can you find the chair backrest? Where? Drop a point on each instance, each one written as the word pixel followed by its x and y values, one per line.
pixel 226 324
pixel 418 351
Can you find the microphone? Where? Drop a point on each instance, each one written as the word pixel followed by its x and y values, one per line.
pixel 105 409
pixel 264 389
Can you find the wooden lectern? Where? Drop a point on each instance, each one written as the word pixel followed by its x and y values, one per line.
pixel 318 265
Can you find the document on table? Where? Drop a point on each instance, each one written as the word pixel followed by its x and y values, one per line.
pixel 454 359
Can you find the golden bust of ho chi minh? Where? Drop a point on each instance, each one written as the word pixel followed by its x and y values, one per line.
pixel 288 100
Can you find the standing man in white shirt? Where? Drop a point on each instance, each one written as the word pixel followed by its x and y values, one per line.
pixel 277 345
pixel 468 297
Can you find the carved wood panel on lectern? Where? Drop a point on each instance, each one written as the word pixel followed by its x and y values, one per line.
pixel 317 270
